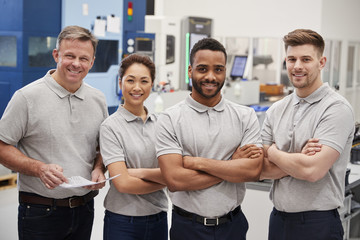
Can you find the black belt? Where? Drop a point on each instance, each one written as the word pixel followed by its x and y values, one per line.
pixel 70 202
pixel 207 221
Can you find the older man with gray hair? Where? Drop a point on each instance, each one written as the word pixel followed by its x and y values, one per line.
pixel 54 123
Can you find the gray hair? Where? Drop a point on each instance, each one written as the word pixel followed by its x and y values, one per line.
pixel 79 33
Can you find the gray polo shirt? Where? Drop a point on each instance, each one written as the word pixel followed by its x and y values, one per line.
pixel 290 123
pixel 52 125
pixel 124 137
pixel 190 128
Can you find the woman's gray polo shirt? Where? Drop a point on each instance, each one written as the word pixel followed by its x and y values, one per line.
pixel 190 128
pixel 126 137
pixel 52 125
pixel 290 123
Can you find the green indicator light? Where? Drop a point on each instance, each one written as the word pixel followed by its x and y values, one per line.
pixel 187 57
pixel 129 18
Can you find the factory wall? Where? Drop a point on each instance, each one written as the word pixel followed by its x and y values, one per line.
pixel 250 18
pixel 259 18
pixel 340 19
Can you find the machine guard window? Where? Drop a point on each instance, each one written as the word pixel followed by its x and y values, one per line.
pixel 170 49
pixel 8 52
pixel 40 52
pixel 107 54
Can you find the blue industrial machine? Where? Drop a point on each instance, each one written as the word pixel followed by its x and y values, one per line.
pixel 28 32
pixel 119 26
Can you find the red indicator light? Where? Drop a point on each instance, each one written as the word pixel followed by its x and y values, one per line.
pixel 130 11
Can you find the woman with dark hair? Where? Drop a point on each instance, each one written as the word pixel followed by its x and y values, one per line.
pixel 136 203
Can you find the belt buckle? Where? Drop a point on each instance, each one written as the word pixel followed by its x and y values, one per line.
pixel 211 224
pixel 70 200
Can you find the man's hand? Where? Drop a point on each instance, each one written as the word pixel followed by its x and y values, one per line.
pixel 247 151
pixel 311 147
pixel 270 170
pixel 96 176
pixel 52 175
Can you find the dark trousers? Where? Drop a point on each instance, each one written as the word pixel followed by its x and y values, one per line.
pixel 41 222
pixel 183 228
pixel 314 225
pixel 151 227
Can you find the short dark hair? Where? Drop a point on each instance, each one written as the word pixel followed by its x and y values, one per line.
pixel 137 58
pixel 304 36
pixel 76 32
pixel 207 44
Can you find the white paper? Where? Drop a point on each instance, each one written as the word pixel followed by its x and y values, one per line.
pixel 99 27
pixel 113 24
pixel 78 181
pixel 85 9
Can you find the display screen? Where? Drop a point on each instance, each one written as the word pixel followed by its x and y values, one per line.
pixel 144 45
pixel 238 67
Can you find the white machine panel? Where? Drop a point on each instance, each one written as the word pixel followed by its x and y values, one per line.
pixel 167 48
pixel 243 92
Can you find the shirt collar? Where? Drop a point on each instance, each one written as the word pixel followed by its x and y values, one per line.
pixel 59 90
pixel 202 108
pixel 129 117
pixel 314 97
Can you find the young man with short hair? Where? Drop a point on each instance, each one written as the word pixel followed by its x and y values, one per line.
pixel 204 152
pixel 307 137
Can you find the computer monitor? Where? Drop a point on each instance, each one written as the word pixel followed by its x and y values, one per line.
pixel 238 67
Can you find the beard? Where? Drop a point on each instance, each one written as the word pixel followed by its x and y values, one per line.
pixel 308 81
pixel 299 84
pixel 197 86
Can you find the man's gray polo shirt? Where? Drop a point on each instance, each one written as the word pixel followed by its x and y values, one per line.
pixel 52 125
pixel 190 128
pixel 290 123
pixel 125 137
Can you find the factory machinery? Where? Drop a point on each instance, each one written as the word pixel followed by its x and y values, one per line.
pixel 28 32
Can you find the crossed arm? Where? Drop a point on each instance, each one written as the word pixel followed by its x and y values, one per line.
pixel 136 181
pixel 311 164
pixel 194 173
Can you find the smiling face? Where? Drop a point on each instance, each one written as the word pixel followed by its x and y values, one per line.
pixel 74 59
pixel 304 65
pixel 208 74
pixel 136 86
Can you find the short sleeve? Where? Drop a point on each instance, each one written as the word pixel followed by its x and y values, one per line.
pixel 167 141
pixel 266 130
pixel 110 148
pixel 252 131
pixel 13 123
pixel 336 125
